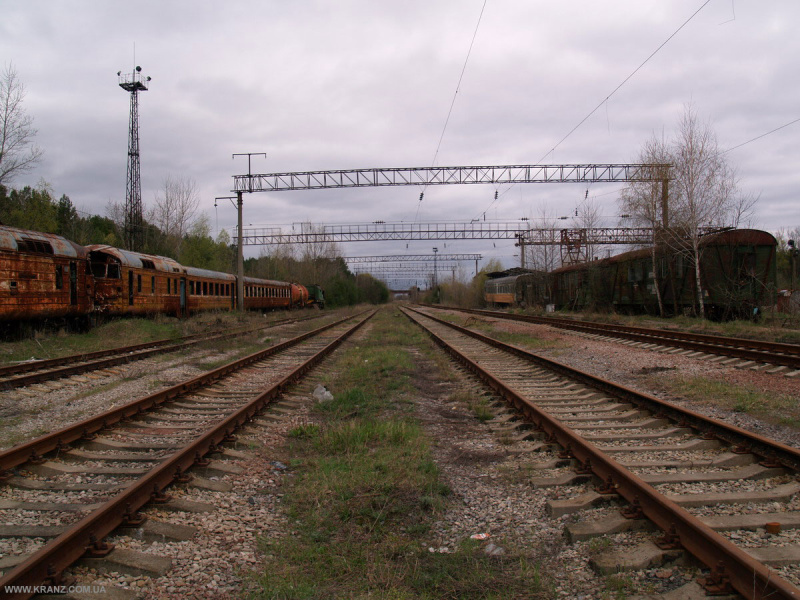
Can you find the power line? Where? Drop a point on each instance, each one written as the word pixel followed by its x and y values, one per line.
pixel 624 81
pixel 759 136
pixel 607 98
pixel 453 102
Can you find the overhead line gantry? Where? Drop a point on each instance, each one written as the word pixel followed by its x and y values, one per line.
pixel 504 174
pixel 462 175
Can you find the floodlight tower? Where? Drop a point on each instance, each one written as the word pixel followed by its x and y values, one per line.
pixel 133 83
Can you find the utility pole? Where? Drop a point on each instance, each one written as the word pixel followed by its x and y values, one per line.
pixel 133 83
pixel 239 241
pixel 521 244
pixel 793 252
pixel 435 278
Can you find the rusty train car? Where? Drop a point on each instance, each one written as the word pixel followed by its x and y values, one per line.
pixel 42 276
pixel 46 276
pixel 738 276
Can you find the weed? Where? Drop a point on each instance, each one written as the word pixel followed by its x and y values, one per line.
pixel 306 430
pixel 366 491
pixel 772 407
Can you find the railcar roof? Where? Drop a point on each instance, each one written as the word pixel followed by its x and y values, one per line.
pixel 12 237
pixel 257 281
pixel 209 274
pixel 134 259
pixel 729 237
pixel 499 280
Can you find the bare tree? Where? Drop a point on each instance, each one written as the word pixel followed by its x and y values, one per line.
pixel 641 202
pixel 588 217
pixel 705 188
pixel 18 154
pixel 544 258
pixel 703 192
pixel 175 210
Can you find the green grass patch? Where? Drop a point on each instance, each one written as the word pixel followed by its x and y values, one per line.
pixel 366 492
pixel 780 408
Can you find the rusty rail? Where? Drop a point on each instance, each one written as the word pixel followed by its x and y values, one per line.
pixel 776 353
pixel 120 355
pixel 746 575
pixel 17 455
pixel 48 563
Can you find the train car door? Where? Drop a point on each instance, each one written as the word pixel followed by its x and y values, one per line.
pixel 73 283
pixel 183 298
pixel 130 287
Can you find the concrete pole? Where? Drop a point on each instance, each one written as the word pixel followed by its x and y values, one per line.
pixel 239 256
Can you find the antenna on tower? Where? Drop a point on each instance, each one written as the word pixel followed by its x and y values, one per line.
pixel 133 83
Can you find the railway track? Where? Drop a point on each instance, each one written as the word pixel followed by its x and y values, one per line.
pixel 785 358
pixel 39 371
pixel 65 492
pixel 655 458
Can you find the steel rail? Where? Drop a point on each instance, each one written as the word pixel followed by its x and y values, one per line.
pixel 22 453
pixel 736 436
pixel 121 355
pixel 776 353
pixel 48 563
pixel 35 365
pixel 745 574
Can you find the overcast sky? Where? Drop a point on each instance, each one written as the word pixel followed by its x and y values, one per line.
pixel 369 83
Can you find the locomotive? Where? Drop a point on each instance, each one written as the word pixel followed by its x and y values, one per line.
pixel 46 276
pixel 737 268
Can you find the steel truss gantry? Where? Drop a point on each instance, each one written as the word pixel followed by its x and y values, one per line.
pixel 408 258
pixel 476 230
pixel 503 174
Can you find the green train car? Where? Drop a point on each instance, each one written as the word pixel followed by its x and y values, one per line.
pixel 737 270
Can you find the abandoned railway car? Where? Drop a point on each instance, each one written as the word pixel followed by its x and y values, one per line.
pixel 737 277
pixel 45 276
pixel 42 276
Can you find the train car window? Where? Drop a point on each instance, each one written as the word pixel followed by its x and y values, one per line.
pixel 169 285
pixel 59 277
pixel 152 284
pixel 30 245
pixel 139 283
pixel 191 288
pixel 148 264
pixel 113 271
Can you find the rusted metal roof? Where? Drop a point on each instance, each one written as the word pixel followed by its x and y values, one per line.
pixel 135 259
pixel 23 240
pixel 209 274
pixel 257 281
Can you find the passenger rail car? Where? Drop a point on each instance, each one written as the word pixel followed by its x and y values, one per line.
pixel 737 269
pixel 517 287
pixel 44 276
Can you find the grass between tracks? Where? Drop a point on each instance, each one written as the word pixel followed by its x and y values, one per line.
pixel 366 491
pixel 772 407
pixel 122 332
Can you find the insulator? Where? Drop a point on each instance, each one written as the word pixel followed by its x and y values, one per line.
pixel 495 194
pixel 421 194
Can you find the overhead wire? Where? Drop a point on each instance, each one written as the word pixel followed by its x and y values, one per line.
pixel 614 91
pixel 624 81
pixel 759 136
pixel 453 102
